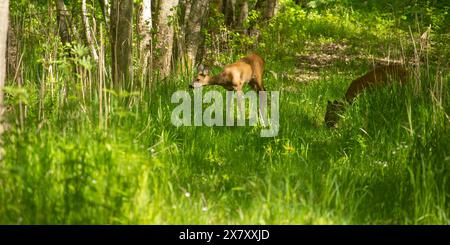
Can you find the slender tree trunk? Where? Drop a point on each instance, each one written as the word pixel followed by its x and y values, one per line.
pixel 229 7
pixel 4 15
pixel 193 28
pixel 218 4
pixel 271 9
pixel 165 36
pixel 243 14
pixel 63 18
pixel 180 38
pixel 121 42
pixel 12 53
pixel 145 30
pixel 187 4
pixel 87 31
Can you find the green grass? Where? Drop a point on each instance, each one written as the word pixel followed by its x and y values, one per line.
pixel 387 163
pixel 371 170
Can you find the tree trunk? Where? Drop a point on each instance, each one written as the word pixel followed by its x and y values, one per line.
pixel 121 42
pixel 180 38
pixel 4 15
pixel 187 5
pixel 63 18
pixel 165 36
pixel 271 9
pixel 218 4
pixel 243 14
pixel 229 12
pixel 12 53
pixel 155 9
pixel 193 28
pixel 145 31
pixel 187 11
pixel 87 31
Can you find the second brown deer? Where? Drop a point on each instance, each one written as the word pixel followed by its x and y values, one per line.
pixel 381 75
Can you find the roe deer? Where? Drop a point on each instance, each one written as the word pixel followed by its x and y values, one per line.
pixel 381 75
pixel 234 76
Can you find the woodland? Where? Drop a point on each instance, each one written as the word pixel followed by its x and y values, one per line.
pixel 86 135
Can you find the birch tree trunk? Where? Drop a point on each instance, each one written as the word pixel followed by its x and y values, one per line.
pixel 165 36
pixel 271 9
pixel 4 15
pixel 193 27
pixel 121 42
pixel 145 30
pixel 87 31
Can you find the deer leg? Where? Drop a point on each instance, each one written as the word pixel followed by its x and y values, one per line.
pixel 237 86
pixel 262 100
pixel 241 114
pixel 254 85
pixel 230 105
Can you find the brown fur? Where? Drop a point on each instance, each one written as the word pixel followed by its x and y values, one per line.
pixel 234 76
pixel 381 75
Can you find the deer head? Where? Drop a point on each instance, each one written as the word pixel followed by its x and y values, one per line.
pixel 333 110
pixel 202 77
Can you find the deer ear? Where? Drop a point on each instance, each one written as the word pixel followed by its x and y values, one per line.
pixel 205 71
pixel 200 68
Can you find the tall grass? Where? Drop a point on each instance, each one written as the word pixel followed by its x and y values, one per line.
pixel 85 154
